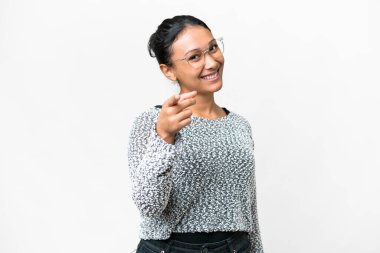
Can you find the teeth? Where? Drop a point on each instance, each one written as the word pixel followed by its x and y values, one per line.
pixel 209 77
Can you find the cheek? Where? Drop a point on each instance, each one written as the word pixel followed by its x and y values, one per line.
pixel 189 77
pixel 193 74
pixel 221 59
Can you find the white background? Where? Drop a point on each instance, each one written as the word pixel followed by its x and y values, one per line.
pixel 75 73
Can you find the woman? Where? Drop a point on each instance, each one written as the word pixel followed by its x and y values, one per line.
pixel 191 161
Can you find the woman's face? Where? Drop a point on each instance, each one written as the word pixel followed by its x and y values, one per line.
pixel 208 77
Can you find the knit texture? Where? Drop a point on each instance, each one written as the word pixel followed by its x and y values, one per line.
pixel 204 182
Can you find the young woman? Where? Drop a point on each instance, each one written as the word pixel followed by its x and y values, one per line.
pixel 191 161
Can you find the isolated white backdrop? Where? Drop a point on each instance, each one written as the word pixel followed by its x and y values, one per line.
pixel 75 73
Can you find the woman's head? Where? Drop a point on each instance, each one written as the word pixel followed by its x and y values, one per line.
pixel 180 40
pixel 160 42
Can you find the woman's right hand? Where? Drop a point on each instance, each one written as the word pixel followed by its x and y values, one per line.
pixel 175 115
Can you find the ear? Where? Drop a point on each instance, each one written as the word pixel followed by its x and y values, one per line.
pixel 168 72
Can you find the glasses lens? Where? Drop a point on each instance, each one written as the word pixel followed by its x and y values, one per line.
pixel 220 45
pixel 196 59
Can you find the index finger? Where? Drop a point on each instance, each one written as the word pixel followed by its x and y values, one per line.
pixel 172 100
pixel 187 95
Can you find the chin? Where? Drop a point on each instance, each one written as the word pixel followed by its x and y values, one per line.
pixel 219 87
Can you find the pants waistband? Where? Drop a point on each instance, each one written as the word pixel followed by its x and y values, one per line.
pixel 202 237
pixel 227 242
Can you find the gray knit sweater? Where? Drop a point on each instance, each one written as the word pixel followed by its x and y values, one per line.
pixel 204 182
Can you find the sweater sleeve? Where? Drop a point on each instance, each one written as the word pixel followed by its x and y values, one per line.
pixel 254 235
pixel 149 160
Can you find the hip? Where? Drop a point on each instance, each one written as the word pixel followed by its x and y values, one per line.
pixel 238 242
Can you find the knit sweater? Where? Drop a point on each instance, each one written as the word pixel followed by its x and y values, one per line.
pixel 204 182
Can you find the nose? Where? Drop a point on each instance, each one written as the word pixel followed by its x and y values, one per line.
pixel 210 61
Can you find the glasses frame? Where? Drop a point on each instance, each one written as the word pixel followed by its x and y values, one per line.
pixel 205 51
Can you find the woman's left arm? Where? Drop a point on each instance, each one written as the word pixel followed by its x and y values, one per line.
pixel 254 234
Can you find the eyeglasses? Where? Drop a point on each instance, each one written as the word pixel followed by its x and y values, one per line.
pixel 196 58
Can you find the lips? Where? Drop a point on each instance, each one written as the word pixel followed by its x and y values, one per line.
pixel 211 76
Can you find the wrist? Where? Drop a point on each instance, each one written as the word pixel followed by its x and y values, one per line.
pixel 163 135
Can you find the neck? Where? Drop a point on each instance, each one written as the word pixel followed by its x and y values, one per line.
pixel 205 106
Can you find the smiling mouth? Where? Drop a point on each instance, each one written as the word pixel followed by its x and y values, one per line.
pixel 212 76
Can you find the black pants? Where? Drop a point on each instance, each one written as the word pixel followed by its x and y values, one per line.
pixel 237 243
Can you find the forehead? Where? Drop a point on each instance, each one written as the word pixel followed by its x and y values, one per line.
pixel 191 37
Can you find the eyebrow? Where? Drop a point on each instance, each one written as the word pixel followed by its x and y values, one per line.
pixel 196 49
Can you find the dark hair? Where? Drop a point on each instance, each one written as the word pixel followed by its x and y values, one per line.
pixel 160 42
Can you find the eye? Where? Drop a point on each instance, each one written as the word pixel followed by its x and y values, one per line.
pixel 194 57
pixel 213 48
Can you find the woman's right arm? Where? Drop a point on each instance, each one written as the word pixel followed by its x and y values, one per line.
pixel 149 160
pixel 151 152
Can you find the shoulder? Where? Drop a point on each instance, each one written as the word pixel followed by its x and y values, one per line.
pixel 244 126
pixel 147 116
pixel 240 119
